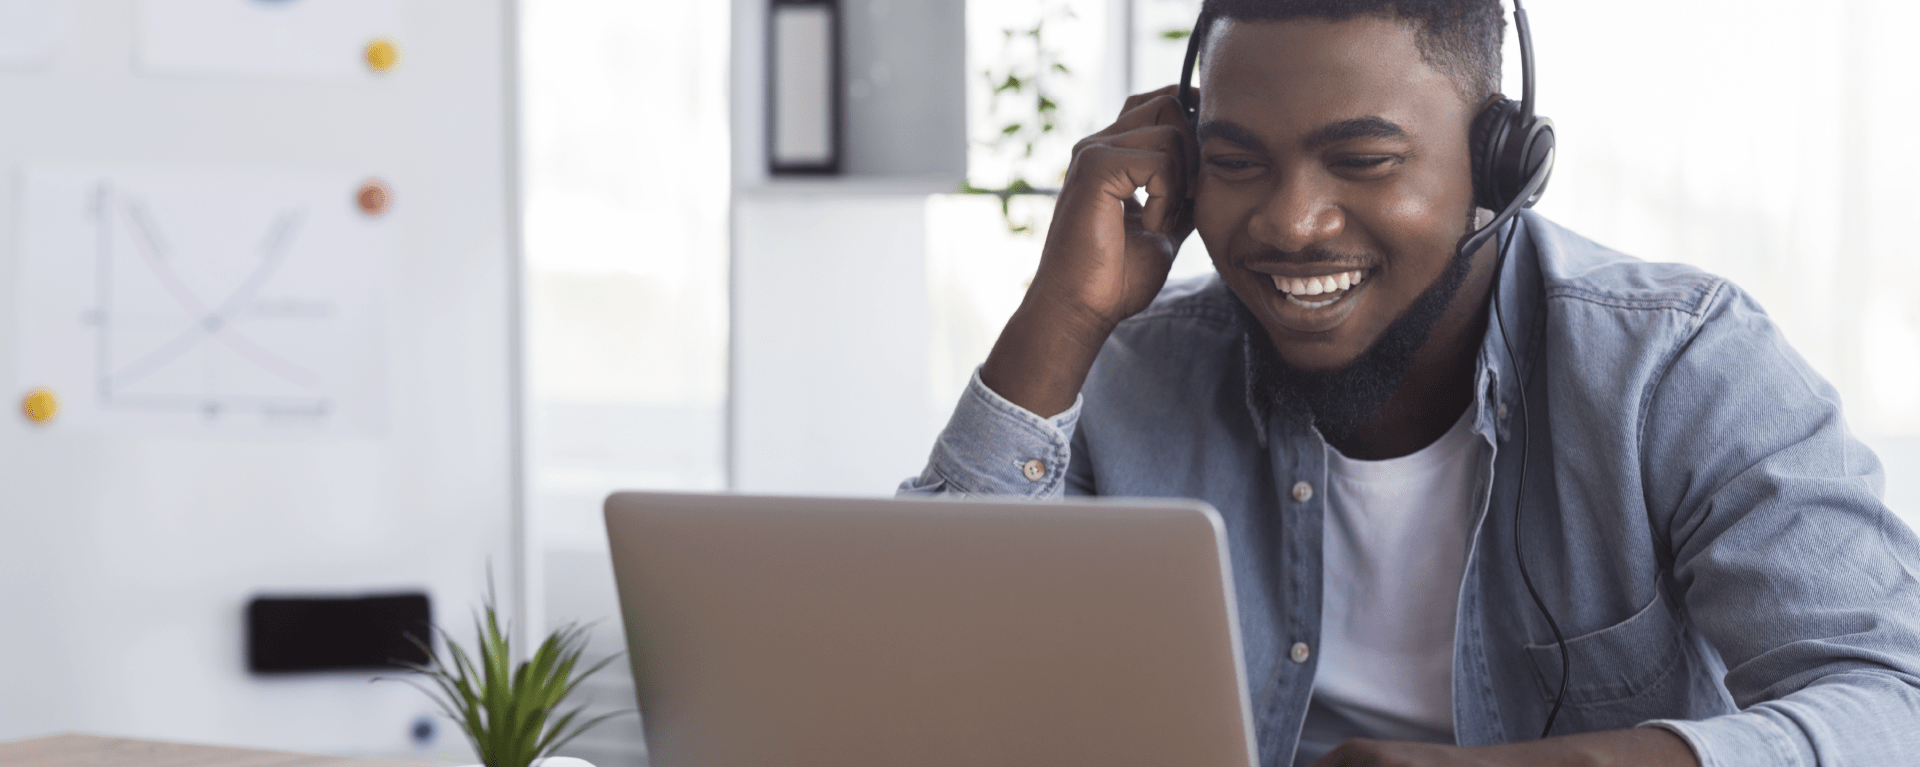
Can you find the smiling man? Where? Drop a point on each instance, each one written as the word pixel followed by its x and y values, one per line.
pixel 1401 474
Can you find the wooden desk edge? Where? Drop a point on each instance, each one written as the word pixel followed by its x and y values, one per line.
pixel 96 751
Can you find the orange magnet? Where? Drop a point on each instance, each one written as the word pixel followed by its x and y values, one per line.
pixel 374 197
pixel 383 54
pixel 41 405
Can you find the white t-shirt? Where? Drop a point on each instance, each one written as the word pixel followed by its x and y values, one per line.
pixel 1395 549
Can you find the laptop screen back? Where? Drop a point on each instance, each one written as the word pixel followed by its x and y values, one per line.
pixel 804 632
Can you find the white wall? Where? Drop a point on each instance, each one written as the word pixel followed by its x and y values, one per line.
pixel 830 340
pixel 126 561
pixel 830 327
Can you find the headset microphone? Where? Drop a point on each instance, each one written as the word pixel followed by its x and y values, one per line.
pixel 1512 158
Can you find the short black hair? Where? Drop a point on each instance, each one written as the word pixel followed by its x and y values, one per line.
pixel 1458 38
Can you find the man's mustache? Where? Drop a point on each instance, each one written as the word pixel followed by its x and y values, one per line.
pixel 1313 255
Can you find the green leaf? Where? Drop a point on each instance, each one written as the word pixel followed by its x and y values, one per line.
pixel 507 710
pixel 1175 34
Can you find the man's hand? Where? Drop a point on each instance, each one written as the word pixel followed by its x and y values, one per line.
pixel 1638 747
pixel 1106 256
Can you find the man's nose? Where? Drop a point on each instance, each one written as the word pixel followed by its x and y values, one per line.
pixel 1301 212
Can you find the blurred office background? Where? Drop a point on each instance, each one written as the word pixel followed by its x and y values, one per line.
pixel 675 318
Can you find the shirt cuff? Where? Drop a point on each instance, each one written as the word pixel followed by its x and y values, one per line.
pixel 1753 738
pixel 994 447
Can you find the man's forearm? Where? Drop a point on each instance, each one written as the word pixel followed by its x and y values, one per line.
pixel 1042 357
pixel 1638 747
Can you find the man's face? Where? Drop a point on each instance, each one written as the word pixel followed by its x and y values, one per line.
pixel 1330 153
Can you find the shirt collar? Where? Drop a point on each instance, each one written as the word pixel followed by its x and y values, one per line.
pixel 1499 375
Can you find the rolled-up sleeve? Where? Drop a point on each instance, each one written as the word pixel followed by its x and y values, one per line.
pixel 994 447
pixel 1789 562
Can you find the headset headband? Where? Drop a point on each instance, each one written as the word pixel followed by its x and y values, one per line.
pixel 1204 23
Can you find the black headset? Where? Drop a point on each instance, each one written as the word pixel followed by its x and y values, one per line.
pixel 1512 148
pixel 1512 156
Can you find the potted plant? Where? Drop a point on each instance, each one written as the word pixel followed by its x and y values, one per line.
pixel 511 714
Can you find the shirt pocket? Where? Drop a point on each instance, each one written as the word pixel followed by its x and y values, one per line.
pixel 1628 664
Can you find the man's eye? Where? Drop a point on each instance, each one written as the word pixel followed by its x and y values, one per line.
pixel 1367 162
pixel 1229 164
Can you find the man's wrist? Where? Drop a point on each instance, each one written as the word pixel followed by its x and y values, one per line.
pixel 1042 357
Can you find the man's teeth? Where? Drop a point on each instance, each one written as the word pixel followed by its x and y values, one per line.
pixel 1313 286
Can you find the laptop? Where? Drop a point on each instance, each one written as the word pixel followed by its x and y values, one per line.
pixel 821 632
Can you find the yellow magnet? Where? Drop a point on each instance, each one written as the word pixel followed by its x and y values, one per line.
pixel 383 54
pixel 41 405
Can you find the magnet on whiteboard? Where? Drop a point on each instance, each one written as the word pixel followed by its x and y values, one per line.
pixel 383 54
pixel 374 197
pixel 41 405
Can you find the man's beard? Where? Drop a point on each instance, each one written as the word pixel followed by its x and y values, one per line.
pixel 1342 400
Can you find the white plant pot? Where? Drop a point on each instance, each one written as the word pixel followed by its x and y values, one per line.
pixel 551 761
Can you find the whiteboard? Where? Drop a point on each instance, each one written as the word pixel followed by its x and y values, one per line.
pixel 129 546
pixel 203 303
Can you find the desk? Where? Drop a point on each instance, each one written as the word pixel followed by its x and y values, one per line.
pixel 95 751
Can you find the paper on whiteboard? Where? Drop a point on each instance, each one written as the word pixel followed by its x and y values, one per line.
pixel 306 39
pixel 203 302
pixel 29 33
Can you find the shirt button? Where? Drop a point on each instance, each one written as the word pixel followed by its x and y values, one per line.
pixel 1035 470
pixel 1300 652
pixel 1302 492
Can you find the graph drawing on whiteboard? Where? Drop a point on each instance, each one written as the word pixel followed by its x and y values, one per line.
pixel 205 302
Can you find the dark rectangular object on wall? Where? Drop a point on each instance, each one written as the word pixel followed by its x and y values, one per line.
pixel 288 634
pixel 804 134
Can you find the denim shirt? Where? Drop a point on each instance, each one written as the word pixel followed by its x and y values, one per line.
pixel 1709 537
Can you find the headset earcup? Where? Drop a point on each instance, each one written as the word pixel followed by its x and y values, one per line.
pixel 1485 141
pixel 1533 144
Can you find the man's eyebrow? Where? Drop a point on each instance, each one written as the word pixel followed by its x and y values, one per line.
pixel 1327 135
pixel 1348 130
pixel 1228 131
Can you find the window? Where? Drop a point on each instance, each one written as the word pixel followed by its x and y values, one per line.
pixel 626 178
